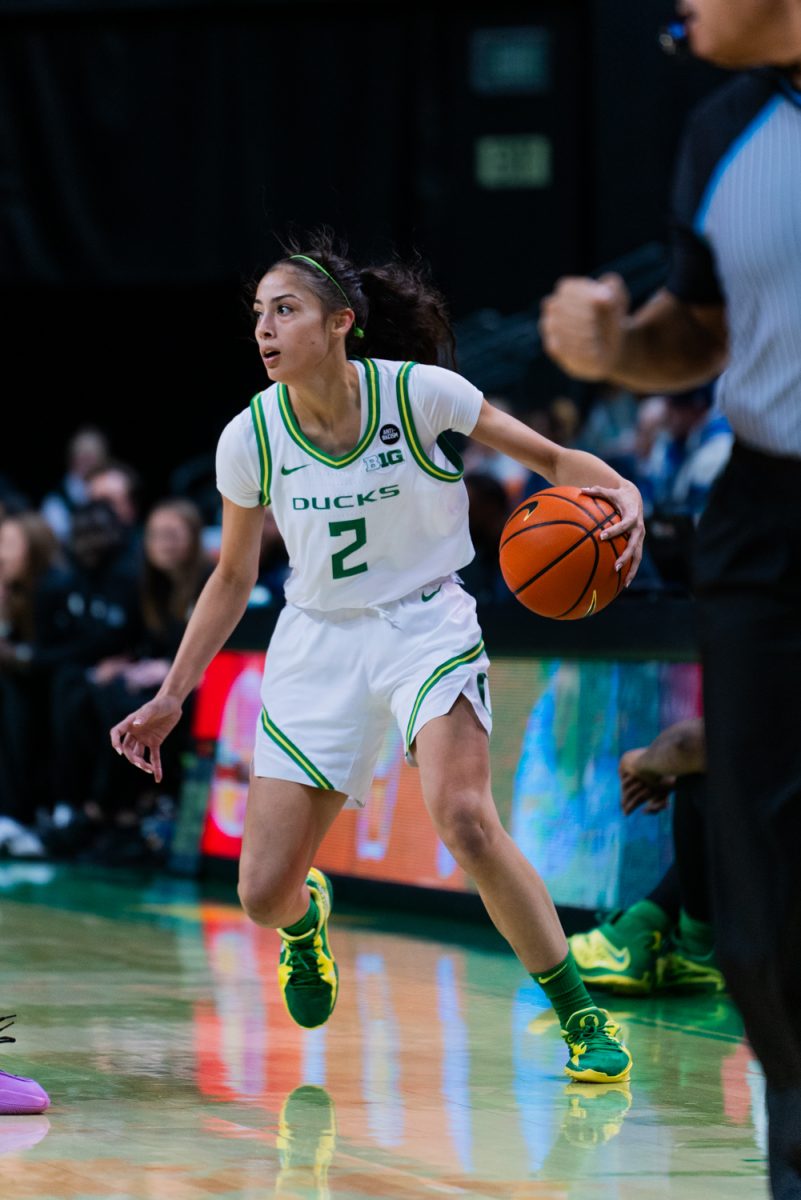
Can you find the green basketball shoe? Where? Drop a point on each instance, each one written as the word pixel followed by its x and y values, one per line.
pixel 596 1053
pixel 618 959
pixel 682 971
pixel 307 973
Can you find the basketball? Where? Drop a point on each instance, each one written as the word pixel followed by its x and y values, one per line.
pixel 552 558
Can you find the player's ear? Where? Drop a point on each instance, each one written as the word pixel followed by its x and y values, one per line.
pixel 342 322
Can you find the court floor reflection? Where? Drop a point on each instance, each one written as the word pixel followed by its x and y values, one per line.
pixel 152 1016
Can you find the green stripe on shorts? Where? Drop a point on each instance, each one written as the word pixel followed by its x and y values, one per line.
pixel 297 756
pixel 433 680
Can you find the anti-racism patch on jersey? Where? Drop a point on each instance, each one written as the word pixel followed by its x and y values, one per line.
pixel 389 434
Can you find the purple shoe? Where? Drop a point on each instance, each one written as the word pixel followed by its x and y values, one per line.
pixel 19 1095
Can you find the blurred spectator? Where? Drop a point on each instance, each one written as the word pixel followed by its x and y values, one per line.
pixel 120 486
pixel 675 480
pixel 100 609
pixel 608 428
pixel 87 451
pixel 483 460
pixel 196 480
pixel 687 455
pixel 651 421
pixel 564 421
pixel 32 574
pixel 112 807
pixel 489 508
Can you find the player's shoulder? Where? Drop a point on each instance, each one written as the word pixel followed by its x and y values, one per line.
pixel 727 110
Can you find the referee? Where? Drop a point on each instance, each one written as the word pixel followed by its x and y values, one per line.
pixel 732 304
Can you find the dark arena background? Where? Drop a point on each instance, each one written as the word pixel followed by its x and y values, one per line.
pixel 152 151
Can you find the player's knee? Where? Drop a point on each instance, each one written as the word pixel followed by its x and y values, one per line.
pixel 263 898
pixel 469 828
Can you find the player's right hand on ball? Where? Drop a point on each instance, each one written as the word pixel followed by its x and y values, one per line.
pixel 139 735
pixel 581 325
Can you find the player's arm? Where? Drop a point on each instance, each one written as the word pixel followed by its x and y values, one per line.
pixel 667 345
pixel 678 750
pixel 649 773
pixel 563 466
pixel 218 611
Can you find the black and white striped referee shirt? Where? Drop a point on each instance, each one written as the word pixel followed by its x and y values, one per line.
pixel 737 242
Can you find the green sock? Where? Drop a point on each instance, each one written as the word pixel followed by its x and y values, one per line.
pixel 564 988
pixel 696 936
pixel 305 924
pixel 643 915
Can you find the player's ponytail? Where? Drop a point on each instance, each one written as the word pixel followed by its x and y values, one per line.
pixel 399 313
pixel 407 316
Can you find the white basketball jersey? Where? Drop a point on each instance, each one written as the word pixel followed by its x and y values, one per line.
pixel 374 524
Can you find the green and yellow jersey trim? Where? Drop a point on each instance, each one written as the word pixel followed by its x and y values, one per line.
pixel 445 669
pixel 271 729
pixel 263 443
pixel 413 438
pixel 373 415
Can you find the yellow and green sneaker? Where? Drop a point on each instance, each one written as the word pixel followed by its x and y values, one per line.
pixel 618 956
pixel 307 973
pixel 596 1053
pixel 681 971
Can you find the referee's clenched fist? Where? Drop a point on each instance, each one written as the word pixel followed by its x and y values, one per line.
pixel 582 323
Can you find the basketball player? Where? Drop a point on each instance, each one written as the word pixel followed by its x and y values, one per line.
pixel 732 303
pixel 370 501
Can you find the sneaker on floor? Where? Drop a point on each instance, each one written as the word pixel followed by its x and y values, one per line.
pixel 596 1053
pixel 680 970
pixel 307 973
pixel 19 1095
pixel 628 968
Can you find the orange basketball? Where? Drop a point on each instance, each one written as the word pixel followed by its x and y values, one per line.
pixel 552 558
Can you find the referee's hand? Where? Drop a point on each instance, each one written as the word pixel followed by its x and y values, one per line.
pixel 139 735
pixel 581 325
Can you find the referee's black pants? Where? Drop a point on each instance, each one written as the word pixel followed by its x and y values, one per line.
pixel 748 589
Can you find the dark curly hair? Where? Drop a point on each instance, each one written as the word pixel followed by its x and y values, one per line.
pixel 402 313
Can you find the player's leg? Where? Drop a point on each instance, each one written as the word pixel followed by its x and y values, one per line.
pixel 452 752
pixel 278 887
pixel 690 963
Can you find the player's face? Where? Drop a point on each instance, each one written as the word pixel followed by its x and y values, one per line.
pixel 293 332
pixel 744 33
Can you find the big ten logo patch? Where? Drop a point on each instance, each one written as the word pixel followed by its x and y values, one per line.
pixel 386 458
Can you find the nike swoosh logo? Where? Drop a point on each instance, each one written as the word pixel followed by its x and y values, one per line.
pixel 430 595
pixel 290 470
pixel 620 958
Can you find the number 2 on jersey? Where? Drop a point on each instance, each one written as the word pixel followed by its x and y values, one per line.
pixel 336 529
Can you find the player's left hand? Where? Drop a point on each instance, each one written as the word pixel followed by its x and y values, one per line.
pixel 628 502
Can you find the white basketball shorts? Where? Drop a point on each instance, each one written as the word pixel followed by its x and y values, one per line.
pixel 333 681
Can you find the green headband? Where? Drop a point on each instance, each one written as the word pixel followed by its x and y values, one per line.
pixel 357 332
